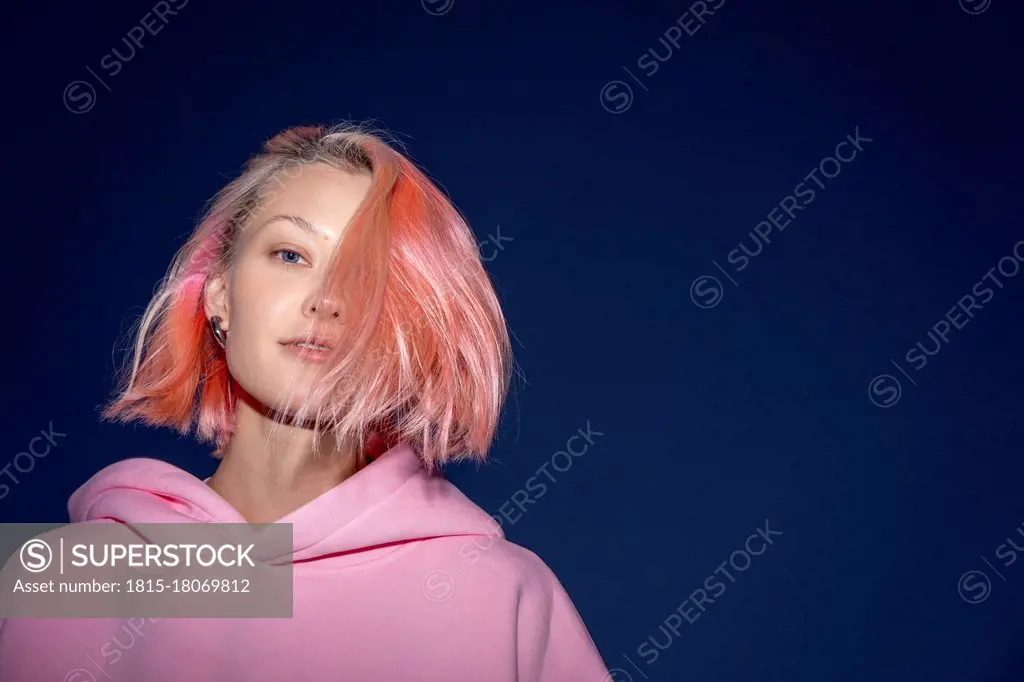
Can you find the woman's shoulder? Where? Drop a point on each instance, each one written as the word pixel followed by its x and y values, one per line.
pixel 499 559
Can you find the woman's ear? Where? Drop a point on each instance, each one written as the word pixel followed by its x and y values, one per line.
pixel 215 299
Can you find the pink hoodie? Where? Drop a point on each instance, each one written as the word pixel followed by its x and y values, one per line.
pixel 399 578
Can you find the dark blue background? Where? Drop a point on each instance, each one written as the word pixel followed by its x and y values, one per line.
pixel 715 419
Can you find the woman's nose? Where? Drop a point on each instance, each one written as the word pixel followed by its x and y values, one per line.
pixel 321 304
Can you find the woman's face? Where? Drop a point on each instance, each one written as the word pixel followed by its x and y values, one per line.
pixel 268 302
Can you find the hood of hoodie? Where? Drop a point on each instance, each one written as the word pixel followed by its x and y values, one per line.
pixel 392 500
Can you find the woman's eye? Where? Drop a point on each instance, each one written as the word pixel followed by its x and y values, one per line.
pixel 289 256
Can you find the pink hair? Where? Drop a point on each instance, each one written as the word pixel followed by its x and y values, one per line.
pixel 425 357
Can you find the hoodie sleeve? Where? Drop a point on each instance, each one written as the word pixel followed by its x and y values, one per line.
pixel 554 645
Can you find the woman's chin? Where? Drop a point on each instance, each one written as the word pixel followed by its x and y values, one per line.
pixel 296 405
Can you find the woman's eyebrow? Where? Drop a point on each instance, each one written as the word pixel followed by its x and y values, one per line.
pixel 296 220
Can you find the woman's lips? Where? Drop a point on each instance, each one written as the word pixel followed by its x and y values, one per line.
pixel 308 353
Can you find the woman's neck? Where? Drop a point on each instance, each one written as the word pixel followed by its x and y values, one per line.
pixel 268 469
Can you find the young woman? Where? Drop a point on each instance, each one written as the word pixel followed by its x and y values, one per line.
pixel 330 328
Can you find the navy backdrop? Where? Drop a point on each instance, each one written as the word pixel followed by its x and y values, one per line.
pixel 692 264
